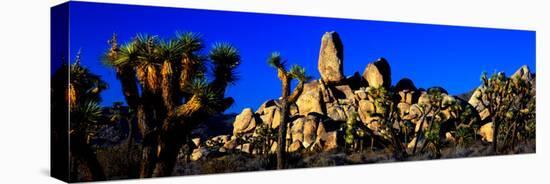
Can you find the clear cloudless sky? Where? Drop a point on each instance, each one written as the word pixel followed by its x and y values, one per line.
pixel 452 57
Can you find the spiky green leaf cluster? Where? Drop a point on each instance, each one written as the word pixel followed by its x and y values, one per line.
pixel 275 60
pixel 225 58
pixel 298 72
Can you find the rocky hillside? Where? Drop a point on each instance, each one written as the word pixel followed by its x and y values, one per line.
pixel 319 116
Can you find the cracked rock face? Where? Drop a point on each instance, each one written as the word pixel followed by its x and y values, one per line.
pixel 331 58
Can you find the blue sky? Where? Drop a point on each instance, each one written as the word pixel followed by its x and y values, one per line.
pixel 431 55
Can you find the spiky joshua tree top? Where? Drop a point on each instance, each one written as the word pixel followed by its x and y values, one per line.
pixel 166 83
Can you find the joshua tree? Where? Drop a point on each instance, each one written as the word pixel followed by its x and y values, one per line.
pixel 430 110
pixel 511 104
pixel 296 72
pixel 81 93
pixel 355 133
pixel 466 122
pixel 265 138
pixel 387 114
pixel 174 94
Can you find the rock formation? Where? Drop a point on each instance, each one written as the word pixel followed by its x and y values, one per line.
pixel 324 106
pixel 331 58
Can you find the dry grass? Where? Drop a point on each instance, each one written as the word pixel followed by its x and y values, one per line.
pixel 239 162
pixel 121 163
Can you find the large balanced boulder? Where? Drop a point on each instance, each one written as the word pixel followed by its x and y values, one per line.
pixel 244 122
pixel 405 84
pixel 331 58
pixel 378 74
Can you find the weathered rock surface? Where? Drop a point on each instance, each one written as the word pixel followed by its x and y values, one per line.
pixel 486 132
pixel 336 113
pixel 342 92
pixel 268 114
pixel 244 122
pixel 310 130
pixel 310 99
pixel 295 146
pixel 378 74
pixel 199 153
pixel 231 144
pixel 297 130
pixel 366 108
pixel 331 58
pixel 327 141
pixel 266 104
pixel 220 139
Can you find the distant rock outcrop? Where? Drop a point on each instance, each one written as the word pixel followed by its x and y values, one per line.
pixel 522 73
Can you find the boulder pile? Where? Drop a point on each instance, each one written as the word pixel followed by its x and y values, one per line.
pixel 318 117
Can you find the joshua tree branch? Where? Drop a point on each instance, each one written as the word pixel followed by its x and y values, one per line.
pixel 296 93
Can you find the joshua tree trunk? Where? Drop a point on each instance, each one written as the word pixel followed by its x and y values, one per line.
pixel 148 153
pixel 174 130
pixel 419 133
pixel 171 139
pixel 281 148
pixel 430 126
pixel 495 135
pixel 169 144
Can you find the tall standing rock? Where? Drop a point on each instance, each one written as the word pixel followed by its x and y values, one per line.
pixel 378 74
pixel 331 58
